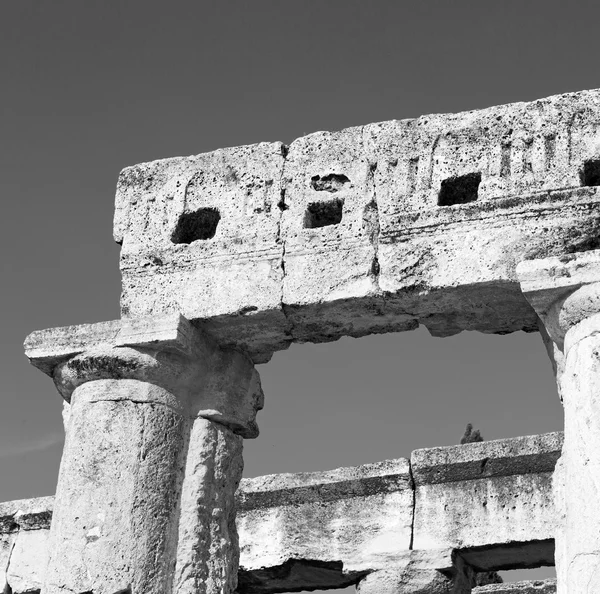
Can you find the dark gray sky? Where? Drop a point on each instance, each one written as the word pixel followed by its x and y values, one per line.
pixel 90 87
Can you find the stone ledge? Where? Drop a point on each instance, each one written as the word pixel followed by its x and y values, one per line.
pixel 48 348
pixel 502 457
pixel 525 587
pixel 26 514
pixel 311 487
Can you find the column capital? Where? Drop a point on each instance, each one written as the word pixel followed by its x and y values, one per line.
pixel 563 291
pixel 165 350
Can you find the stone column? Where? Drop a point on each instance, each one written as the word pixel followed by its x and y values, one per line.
pixel 565 292
pixel 152 458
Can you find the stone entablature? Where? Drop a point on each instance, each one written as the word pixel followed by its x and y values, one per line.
pixel 371 229
pixel 331 529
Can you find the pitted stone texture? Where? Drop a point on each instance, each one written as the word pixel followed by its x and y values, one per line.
pixel 330 228
pixel 24 528
pixel 494 497
pixel 564 291
pixel 423 572
pixel 577 482
pixel 523 587
pixel 407 581
pixel 235 273
pixel 345 235
pixel 115 519
pixel 28 562
pixel 207 549
pixel 166 350
pixel 359 516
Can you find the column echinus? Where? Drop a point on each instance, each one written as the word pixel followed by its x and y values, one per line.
pixel 152 458
pixel 565 293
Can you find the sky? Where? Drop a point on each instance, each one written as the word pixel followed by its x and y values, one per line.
pixel 87 88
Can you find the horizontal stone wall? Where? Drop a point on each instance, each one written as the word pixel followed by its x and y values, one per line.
pixel 489 502
pixel 371 229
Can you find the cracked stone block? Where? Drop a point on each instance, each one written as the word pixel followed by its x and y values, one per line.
pixel 463 198
pixel 371 229
pixel 330 228
pixel 201 236
pixel 357 519
pixel 28 561
pixel 492 500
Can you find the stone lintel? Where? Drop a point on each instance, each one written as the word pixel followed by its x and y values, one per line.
pixel 48 348
pixel 523 587
pixel 502 457
pixel 360 517
pixel 429 216
pixel 493 498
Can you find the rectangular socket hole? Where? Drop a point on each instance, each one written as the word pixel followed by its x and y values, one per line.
pixel 459 189
pixel 590 174
pixel 323 214
pixel 200 224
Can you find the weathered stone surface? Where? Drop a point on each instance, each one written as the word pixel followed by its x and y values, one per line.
pixel 152 458
pixel 371 229
pixel 220 385
pixel 566 295
pixel 488 498
pixel 359 517
pixel 562 290
pixel 28 562
pixel 524 587
pixel 24 529
pixel 26 514
pixel 331 529
pixel 237 273
pixel 115 517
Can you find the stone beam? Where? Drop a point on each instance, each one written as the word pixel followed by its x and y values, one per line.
pixel 371 229
pixel 350 521
pixel 332 529
pixel 490 500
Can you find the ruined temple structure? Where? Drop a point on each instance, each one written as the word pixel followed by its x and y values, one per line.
pixel 485 220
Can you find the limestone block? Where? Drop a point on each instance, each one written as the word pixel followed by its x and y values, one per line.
pixel 370 229
pixel 28 561
pixel 329 227
pixel 200 236
pixel 24 529
pixel 492 500
pixel 295 528
pixel 524 587
pixel 515 170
